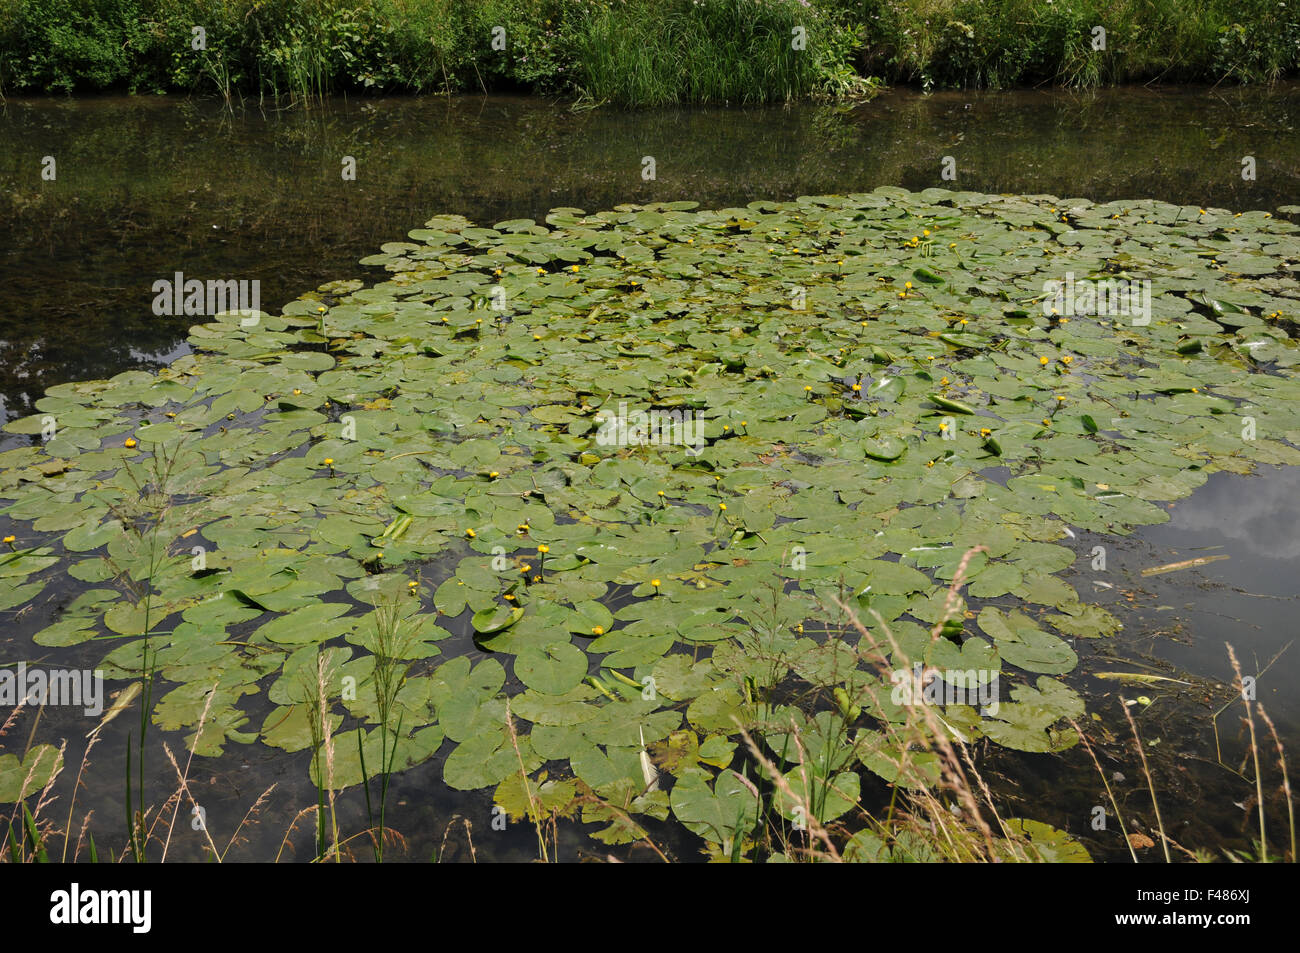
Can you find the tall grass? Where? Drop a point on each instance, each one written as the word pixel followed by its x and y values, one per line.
pixel 680 51
pixel 322 746
pixel 634 52
pixel 950 814
pixel 391 644
pixel 937 43
pixel 143 512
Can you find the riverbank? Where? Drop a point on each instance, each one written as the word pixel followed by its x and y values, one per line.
pixel 633 52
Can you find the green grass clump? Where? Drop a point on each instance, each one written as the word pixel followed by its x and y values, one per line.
pixel 680 51
pixel 974 43
pixel 634 52
pixel 630 52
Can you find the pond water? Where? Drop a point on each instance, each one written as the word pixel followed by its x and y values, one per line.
pixel 149 187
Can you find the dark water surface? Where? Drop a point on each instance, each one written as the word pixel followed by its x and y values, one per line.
pixel 150 186
pixel 1177 625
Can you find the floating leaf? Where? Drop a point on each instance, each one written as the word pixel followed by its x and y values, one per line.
pixel 496 619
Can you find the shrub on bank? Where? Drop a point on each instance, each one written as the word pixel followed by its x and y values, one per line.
pixel 684 51
pixel 634 52
pixel 1000 43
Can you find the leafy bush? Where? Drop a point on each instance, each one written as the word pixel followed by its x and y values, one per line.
pixel 1261 43
pixel 634 52
pixel 64 44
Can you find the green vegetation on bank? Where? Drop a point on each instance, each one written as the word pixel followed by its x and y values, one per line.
pixel 634 52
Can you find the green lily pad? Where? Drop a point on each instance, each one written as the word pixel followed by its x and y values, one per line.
pixel 554 668
pixel 496 619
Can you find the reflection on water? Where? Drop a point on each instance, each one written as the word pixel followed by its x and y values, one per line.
pixel 1248 600
pixel 1256 519
pixel 1177 625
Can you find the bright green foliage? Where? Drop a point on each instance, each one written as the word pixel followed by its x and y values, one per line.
pixel 858 390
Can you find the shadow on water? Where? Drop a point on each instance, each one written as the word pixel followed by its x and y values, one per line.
pixel 149 187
